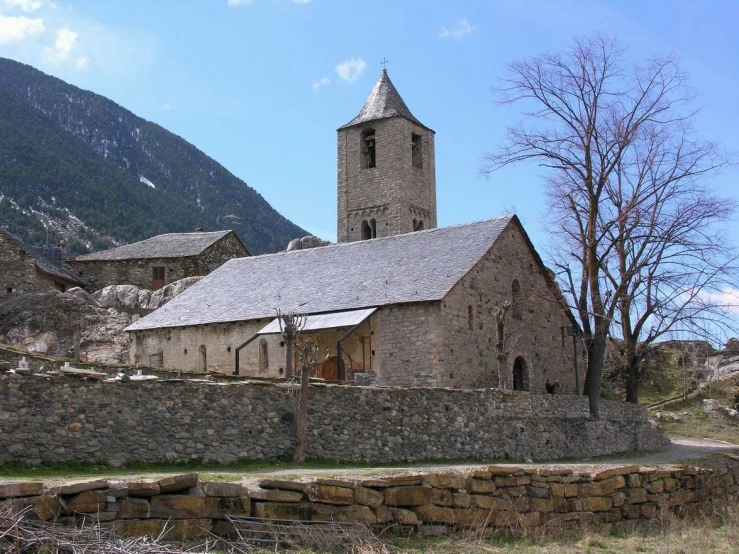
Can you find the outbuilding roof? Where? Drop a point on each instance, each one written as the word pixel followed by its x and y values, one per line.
pixel 170 245
pixel 413 267
pixel 384 101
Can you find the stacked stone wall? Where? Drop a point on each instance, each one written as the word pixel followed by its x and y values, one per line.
pixel 19 274
pixel 181 507
pixel 46 419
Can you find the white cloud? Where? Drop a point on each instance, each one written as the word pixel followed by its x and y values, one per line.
pixel 728 299
pixel 322 82
pixel 351 70
pixel 24 5
pixel 233 3
pixel 16 29
pixel 81 62
pixel 167 107
pixel 458 31
pixel 66 40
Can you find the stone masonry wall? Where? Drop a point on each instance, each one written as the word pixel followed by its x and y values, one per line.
pixel 467 355
pixel 102 273
pixel 181 507
pixel 61 419
pixel 18 274
pixel 394 191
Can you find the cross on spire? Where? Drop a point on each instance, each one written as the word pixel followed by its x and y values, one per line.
pixel 384 63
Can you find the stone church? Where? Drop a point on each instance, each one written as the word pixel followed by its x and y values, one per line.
pixel 397 301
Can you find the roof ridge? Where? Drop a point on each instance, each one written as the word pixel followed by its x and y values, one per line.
pixel 375 240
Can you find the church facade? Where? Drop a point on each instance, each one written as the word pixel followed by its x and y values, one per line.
pixel 396 302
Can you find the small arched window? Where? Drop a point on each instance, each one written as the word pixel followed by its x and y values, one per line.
pixel 470 318
pixel 367 147
pixel 263 355
pixel 373 228
pixel 418 225
pixel 516 309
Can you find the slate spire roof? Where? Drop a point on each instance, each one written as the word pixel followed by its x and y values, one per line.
pixel 384 101
pixel 413 267
pixel 169 245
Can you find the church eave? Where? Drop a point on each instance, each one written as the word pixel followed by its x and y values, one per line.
pixel 355 123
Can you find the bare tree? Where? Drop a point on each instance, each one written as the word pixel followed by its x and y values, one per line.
pixel 290 326
pixel 309 358
pixel 617 141
pixel 502 351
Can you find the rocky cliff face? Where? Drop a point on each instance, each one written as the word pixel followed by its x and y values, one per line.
pixel 83 168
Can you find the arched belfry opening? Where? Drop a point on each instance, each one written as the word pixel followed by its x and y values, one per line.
pixel 369 229
pixel 369 154
pixel 416 150
pixel 520 374
pixel 418 225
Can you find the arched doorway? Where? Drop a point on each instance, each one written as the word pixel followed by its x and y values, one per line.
pixel 203 365
pixel 520 374
pixel 263 356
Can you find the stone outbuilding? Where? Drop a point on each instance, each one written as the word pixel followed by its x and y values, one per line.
pixel 24 269
pixel 160 260
pixel 409 309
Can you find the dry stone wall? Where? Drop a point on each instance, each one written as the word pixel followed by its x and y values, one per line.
pixel 60 419
pixel 181 507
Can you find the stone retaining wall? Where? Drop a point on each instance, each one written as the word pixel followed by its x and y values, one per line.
pixel 60 419
pixel 181 507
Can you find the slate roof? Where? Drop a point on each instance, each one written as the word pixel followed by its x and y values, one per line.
pixel 45 265
pixel 170 245
pixel 414 267
pixel 384 101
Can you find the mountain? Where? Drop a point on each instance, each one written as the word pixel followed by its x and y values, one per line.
pixel 78 166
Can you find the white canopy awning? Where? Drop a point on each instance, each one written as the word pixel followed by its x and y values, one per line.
pixel 316 322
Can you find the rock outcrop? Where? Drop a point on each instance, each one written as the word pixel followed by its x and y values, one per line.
pixel 133 298
pixel 46 322
pixel 306 242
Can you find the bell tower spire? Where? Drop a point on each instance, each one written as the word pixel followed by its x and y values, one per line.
pixel 386 169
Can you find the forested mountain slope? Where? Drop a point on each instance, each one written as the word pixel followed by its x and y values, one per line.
pixel 98 175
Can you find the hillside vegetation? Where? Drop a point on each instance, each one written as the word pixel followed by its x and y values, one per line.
pixel 92 172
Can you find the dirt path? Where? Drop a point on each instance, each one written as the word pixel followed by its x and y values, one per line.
pixel 681 450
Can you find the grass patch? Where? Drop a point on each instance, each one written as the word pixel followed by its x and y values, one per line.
pixel 232 471
pixel 689 419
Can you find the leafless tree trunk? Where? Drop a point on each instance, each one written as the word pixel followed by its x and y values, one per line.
pixel 301 424
pixel 501 352
pixel 308 354
pixel 290 326
pixel 601 127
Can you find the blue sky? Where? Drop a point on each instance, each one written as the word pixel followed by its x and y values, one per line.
pixel 262 85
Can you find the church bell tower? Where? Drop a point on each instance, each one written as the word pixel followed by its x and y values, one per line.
pixel 386 170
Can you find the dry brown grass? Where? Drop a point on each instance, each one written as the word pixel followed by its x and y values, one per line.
pixel 715 533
